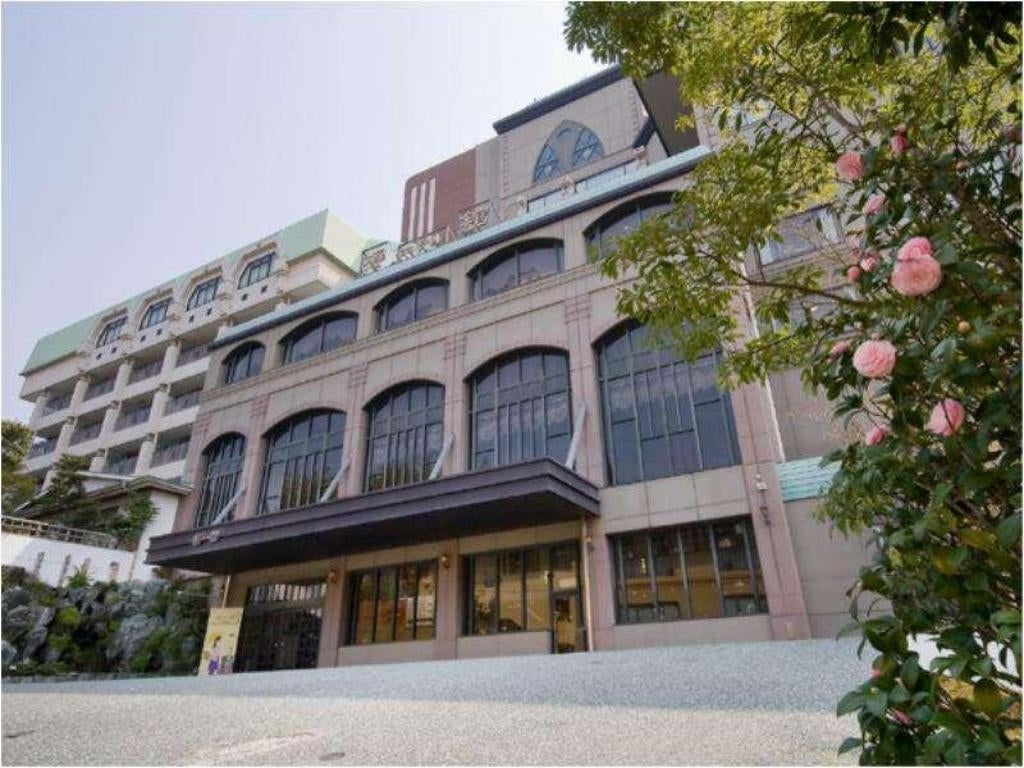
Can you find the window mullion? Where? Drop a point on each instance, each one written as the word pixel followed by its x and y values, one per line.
pixel 652 571
pixel 718 575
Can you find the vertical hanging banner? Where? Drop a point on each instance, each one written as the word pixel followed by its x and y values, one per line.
pixel 221 643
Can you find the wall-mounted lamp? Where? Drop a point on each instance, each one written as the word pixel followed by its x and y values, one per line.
pixel 332 576
pixel 445 560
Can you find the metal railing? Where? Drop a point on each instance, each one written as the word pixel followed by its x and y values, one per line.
pixel 132 417
pixel 168 453
pixel 145 372
pixel 42 448
pixel 98 388
pixel 82 434
pixel 181 402
pixel 55 404
pixel 123 466
pixel 56 532
pixel 191 354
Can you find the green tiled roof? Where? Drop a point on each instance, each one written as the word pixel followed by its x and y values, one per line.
pixel 321 230
pixel 804 478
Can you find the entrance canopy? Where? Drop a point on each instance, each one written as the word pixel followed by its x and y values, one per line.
pixel 534 492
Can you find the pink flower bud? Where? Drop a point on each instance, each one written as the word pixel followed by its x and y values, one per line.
pixel 849 166
pixel 875 359
pixel 839 348
pixel 874 204
pixel 876 435
pixel 869 262
pixel 947 418
pixel 853 273
pixel 898 143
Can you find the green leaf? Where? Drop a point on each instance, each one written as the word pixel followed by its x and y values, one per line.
pixel 848 744
pixel 1008 532
pixel 851 702
pixel 987 697
pixel 875 703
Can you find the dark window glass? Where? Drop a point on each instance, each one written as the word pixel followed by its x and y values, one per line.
pixel 321 334
pixel 244 362
pixel 601 235
pixel 698 571
pixel 303 457
pixel 587 148
pixel 661 416
pixel 110 331
pixel 511 591
pixel 411 303
pixel 406 429
pixel 155 314
pixel 520 409
pixel 396 603
pixel 516 265
pixel 222 467
pixel 256 271
pixel 570 145
pixel 203 293
pixel 280 628
pixel 547 164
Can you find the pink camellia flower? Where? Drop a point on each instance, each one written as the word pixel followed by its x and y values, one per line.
pixel 853 273
pixel 917 276
pixel 869 262
pixel 875 359
pixel 876 435
pixel 915 248
pixel 849 166
pixel 838 349
pixel 898 143
pixel 874 204
pixel 947 417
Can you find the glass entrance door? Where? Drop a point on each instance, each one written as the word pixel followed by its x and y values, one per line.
pixel 569 631
pixel 281 627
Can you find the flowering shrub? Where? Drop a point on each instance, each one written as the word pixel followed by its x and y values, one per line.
pixel 906 119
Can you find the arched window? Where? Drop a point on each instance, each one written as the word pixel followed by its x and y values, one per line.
pixel 244 362
pixel 411 303
pixel 111 331
pixel 203 293
pixel 256 270
pixel 661 416
pixel 520 408
pixel 570 145
pixel 155 313
pixel 303 457
pixel 602 234
pixel 406 429
pixel 321 334
pixel 516 265
pixel 222 467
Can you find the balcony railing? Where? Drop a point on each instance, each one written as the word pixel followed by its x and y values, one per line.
pixel 132 417
pixel 181 402
pixel 191 354
pixel 82 434
pixel 98 388
pixel 168 453
pixel 42 448
pixel 56 532
pixel 122 466
pixel 55 404
pixel 147 371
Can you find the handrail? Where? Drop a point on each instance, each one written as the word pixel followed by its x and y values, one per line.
pixel 445 450
pixel 227 507
pixel 577 435
pixel 57 532
pixel 333 485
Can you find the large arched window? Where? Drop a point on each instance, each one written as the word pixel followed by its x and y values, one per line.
pixel 661 416
pixel 222 467
pixel 520 408
pixel 570 145
pixel 321 334
pixel 243 363
pixel 516 265
pixel 110 331
pixel 406 429
pixel 203 293
pixel 602 234
pixel 256 270
pixel 303 456
pixel 155 313
pixel 411 303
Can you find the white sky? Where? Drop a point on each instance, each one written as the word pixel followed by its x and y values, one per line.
pixel 141 140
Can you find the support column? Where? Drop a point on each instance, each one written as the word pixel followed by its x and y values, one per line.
pixel 64 438
pixel 39 406
pixel 145 459
pixel 456 414
pixel 98 462
pixel 121 378
pixel 159 404
pixel 78 394
pixel 110 419
pixel 170 359
pixel 355 431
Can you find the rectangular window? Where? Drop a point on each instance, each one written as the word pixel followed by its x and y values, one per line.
pixel 700 571
pixel 511 591
pixel 396 603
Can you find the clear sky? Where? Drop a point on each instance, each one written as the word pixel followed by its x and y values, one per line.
pixel 141 140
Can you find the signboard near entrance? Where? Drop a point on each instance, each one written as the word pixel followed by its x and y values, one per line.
pixel 221 643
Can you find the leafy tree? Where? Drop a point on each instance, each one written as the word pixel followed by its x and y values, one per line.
pixel 128 523
pixel 66 500
pixel 18 487
pixel 906 120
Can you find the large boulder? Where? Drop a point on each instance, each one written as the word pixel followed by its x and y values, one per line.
pixel 131 635
pixel 8 653
pixel 36 636
pixel 20 620
pixel 14 597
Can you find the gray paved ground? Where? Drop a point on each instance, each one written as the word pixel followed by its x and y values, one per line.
pixel 752 703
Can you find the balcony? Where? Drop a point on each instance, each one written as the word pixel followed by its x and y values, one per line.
pixel 168 453
pixel 56 404
pixel 101 387
pixel 534 492
pixel 147 371
pixel 191 354
pixel 42 448
pixel 88 432
pixel 123 465
pixel 132 417
pixel 182 401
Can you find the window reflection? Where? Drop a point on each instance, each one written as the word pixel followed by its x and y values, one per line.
pixel 516 265
pixel 396 603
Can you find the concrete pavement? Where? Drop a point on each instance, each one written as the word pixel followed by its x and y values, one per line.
pixel 749 703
